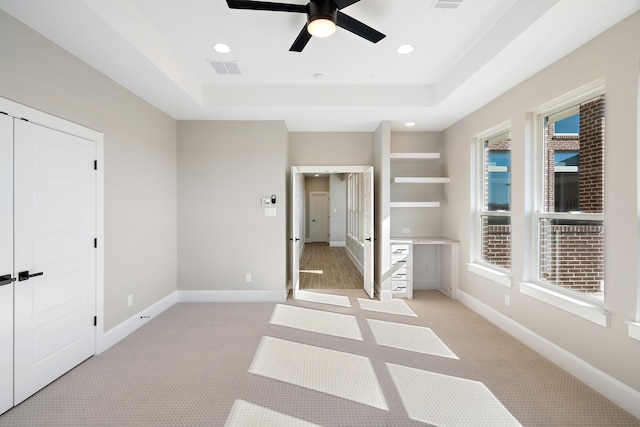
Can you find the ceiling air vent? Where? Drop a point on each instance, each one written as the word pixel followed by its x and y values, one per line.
pixel 446 4
pixel 225 67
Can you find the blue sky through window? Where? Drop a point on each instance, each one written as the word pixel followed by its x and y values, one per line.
pixel 499 180
pixel 570 125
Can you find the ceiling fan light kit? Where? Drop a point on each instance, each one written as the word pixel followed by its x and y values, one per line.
pixel 323 17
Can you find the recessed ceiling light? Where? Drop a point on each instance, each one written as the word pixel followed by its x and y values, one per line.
pixel 404 49
pixel 319 76
pixel 410 124
pixel 221 48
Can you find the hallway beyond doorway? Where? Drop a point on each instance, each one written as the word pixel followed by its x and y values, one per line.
pixel 326 267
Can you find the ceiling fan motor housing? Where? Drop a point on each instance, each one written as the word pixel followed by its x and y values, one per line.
pixel 322 9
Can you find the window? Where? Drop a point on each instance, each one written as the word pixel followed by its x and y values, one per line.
pixel 569 217
pixel 354 207
pixel 494 202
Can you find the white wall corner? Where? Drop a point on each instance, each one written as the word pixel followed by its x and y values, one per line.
pixel 613 389
pixel 122 330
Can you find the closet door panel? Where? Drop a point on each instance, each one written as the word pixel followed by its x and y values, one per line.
pixel 54 232
pixel 6 262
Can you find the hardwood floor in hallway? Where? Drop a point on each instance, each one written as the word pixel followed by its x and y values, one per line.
pixel 326 267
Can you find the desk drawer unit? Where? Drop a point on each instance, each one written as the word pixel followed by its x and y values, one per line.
pixel 401 279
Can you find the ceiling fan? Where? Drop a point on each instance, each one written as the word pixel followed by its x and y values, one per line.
pixel 322 18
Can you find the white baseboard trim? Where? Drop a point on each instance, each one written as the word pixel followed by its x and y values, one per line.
pixel 122 330
pixel 233 296
pixel 337 244
pixel 613 389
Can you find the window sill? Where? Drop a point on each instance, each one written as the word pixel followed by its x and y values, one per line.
pixel 634 330
pixel 489 273
pixel 591 312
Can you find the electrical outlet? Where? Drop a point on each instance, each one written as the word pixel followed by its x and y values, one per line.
pixel 247 277
pixel 129 300
pixel 406 230
pixel 506 300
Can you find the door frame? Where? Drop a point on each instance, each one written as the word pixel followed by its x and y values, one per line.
pixel 324 169
pixel 44 119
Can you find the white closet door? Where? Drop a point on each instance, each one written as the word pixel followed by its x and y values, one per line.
pixel 55 206
pixel 6 262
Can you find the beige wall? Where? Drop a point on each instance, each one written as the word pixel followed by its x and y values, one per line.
pixel 139 162
pixel 614 55
pixel 331 148
pixel 224 169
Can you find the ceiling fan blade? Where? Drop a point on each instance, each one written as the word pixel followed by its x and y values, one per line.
pixel 341 4
pixel 357 27
pixel 301 41
pixel 266 5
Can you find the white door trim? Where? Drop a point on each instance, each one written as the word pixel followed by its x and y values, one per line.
pixel 339 169
pixel 38 117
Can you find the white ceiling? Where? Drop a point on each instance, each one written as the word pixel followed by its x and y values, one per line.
pixel 161 50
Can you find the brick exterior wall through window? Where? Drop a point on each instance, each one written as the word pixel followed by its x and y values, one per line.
pixel 571 253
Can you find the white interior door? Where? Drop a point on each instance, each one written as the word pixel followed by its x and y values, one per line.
pixel 367 222
pixel 6 263
pixel 55 227
pixel 319 216
pixel 296 229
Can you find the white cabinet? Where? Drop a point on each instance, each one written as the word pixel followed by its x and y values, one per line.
pixel 401 269
pixel 403 256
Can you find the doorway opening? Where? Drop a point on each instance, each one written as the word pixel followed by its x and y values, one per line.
pixel 332 228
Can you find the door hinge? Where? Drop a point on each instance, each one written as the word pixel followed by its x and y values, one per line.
pixel 95 165
pixel 95 243
pixel 95 320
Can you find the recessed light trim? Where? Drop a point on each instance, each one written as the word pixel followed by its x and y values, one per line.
pixel 221 47
pixel 405 49
pixel 410 124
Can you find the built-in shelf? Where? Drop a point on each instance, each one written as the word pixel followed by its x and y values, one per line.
pixel 421 180
pixel 414 156
pixel 414 204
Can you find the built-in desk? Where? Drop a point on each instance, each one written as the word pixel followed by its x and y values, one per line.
pixel 402 262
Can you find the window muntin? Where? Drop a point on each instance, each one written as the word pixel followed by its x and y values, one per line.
pixel 569 222
pixel 354 207
pixel 494 207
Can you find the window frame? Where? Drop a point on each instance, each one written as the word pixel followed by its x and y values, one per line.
pixel 478 264
pixel 355 207
pixel 563 106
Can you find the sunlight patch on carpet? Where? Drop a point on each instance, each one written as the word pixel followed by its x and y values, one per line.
pixel 395 306
pixel 321 322
pixel 312 271
pixel 339 300
pixel 409 337
pixel 344 375
pixel 444 400
pixel 246 414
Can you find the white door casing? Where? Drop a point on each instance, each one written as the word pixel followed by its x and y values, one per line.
pixel 368 262
pixel 319 216
pixel 6 262
pixel 296 229
pixel 55 227
pixel 368 229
